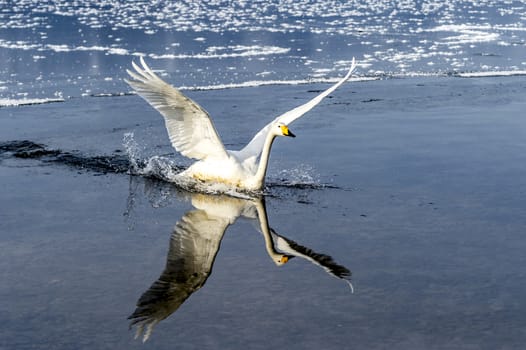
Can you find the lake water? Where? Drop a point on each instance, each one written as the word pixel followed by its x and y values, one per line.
pixel 407 182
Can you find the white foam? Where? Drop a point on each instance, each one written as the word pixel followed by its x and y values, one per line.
pixel 67 48
pixel 214 52
pixel 322 16
pixel 17 45
pixel 256 83
pixel 395 35
pixel 458 28
pixel 491 74
pixel 466 33
pixel 25 45
pixel 8 102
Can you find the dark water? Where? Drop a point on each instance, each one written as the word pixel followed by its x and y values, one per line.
pixel 420 195
pixel 411 187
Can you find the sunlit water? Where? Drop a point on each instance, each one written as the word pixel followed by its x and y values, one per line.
pixel 61 50
pixel 407 182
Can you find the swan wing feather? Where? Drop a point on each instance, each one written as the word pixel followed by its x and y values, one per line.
pixel 194 244
pixel 253 148
pixel 189 126
pixel 324 261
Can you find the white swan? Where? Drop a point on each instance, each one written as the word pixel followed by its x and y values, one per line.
pixel 192 133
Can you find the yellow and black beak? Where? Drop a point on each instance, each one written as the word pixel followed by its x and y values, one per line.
pixel 286 132
pixel 284 259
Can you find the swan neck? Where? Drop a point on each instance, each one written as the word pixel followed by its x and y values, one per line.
pixel 263 160
pixel 264 227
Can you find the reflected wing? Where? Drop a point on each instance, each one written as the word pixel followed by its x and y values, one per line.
pixel 193 246
pixel 254 147
pixel 326 262
pixel 189 126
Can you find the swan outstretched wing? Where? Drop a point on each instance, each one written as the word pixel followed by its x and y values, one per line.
pixel 254 147
pixel 194 244
pixel 293 114
pixel 189 126
pixel 326 262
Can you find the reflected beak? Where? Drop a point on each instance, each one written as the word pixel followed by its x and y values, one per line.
pixel 285 259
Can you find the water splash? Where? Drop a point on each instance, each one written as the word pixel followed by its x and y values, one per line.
pixel 156 167
pixel 132 150
pixel 166 169
pixel 301 176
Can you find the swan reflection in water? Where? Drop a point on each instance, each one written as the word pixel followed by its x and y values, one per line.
pixel 194 244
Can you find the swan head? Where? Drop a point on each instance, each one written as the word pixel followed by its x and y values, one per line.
pixel 282 259
pixel 283 130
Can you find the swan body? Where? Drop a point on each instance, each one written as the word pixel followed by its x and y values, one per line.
pixel 193 134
